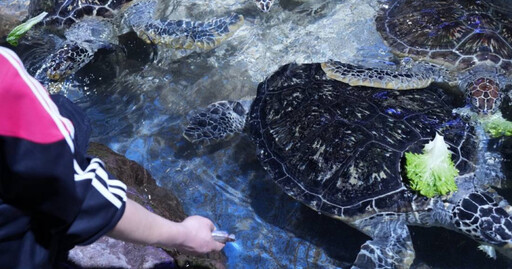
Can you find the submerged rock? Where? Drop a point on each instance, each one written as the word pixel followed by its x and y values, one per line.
pixel 142 188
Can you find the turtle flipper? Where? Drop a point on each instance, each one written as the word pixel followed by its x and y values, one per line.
pixel 191 35
pixel 391 246
pixel 180 34
pixel 373 77
pixel 216 122
pixel 484 217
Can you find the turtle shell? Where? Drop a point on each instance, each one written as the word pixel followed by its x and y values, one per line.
pixel 338 148
pixel 455 33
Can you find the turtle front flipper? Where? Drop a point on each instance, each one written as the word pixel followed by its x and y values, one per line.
pixel 191 35
pixel 373 77
pixel 180 34
pixel 390 247
pixel 218 121
pixel 484 217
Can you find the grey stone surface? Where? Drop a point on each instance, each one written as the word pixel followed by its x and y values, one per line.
pixel 12 13
pixel 111 253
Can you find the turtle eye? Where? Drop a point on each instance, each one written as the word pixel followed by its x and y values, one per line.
pixel 474 101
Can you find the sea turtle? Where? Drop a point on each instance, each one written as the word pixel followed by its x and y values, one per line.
pixel 89 25
pixel 468 43
pixel 339 149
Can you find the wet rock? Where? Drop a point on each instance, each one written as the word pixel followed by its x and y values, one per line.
pixel 142 188
pixel 112 253
pixel 12 13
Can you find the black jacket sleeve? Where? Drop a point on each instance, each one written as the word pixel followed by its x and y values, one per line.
pixel 72 201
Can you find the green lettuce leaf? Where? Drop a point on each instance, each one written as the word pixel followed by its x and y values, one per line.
pixel 432 172
pixel 496 125
pixel 21 29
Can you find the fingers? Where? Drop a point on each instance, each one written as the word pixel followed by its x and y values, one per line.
pixel 218 246
pixel 212 226
pixel 199 238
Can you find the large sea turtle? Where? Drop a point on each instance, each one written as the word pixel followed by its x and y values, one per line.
pixel 468 43
pixel 89 25
pixel 339 149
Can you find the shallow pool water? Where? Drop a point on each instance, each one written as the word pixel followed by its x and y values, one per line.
pixel 138 104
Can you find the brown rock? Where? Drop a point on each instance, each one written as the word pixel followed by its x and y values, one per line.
pixel 143 188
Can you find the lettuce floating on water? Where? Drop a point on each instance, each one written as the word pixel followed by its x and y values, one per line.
pixel 21 29
pixel 432 172
pixel 496 125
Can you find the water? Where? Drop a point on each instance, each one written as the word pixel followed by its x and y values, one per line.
pixel 139 102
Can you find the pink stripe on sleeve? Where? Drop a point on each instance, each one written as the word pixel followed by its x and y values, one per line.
pixel 22 113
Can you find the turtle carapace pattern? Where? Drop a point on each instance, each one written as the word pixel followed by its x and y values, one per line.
pixel 339 149
pixel 468 44
pixel 457 34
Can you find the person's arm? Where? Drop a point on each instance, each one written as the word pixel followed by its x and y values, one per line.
pixel 73 203
pixel 138 225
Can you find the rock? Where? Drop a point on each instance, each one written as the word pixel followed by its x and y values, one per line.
pixel 142 188
pixel 159 200
pixel 112 253
pixel 12 13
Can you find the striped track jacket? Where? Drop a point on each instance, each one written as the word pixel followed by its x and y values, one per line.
pixel 51 196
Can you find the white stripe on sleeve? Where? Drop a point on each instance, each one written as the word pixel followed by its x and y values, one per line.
pixel 109 187
pixel 64 125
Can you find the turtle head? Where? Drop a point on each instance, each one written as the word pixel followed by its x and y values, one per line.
pixel 264 5
pixel 484 95
pixel 479 216
pixel 218 121
pixel 67 60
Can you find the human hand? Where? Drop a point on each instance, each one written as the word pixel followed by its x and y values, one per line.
pixel 196 237
pixel 138 225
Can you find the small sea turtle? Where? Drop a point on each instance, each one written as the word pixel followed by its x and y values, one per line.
pixel 467 42
pixel 89 25
pixel 338 149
